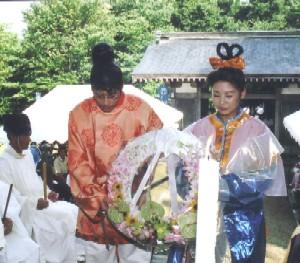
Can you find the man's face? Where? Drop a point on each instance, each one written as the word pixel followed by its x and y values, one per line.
pixel 20 142
pixel 106 101
pixel 62 153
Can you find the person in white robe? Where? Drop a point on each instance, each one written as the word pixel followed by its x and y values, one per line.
pixel 51 224
pixel 18 239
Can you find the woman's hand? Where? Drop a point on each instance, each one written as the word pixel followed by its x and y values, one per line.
pixel 215 154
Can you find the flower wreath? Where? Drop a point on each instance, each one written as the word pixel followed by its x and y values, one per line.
pixel 148 224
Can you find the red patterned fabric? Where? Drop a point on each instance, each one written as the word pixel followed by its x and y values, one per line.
pixel 112 135
pixel 133 103
pixel 95 139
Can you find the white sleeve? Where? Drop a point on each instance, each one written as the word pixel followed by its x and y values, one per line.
pixel 2 239
pixel 278 186
pixel 189 129
pixel 5 171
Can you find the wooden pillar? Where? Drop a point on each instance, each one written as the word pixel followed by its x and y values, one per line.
pixel 172 95
pixel 198 101
pixel 277 112
pixel 174 100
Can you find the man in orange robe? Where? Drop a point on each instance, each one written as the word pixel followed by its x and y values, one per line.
pixel 99 127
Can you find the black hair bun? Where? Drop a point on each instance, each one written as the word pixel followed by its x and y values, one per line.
pixel 226 51
pixel 102 55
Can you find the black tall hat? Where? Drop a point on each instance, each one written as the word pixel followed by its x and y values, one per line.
pixel 16 124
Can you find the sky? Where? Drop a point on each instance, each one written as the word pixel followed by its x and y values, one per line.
pixel 11 15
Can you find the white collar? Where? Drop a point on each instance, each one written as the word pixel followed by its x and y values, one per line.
pixel 10 150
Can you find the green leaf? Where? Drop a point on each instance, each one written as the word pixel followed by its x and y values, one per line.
pixel 187 219
pixel 115 216
pixel 122 206
pixel 152 210
pixel 189 231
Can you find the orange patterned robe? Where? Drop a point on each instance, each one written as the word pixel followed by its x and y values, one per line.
pixel 95 139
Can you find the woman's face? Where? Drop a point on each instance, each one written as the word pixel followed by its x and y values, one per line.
pixel 106 101
pixel 226 99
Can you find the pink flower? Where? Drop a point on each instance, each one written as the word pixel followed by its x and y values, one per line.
pixel 174 238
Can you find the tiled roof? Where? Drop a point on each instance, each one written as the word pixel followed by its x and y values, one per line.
pixel 184 56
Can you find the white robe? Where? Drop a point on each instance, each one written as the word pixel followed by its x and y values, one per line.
pixel 97 253
pixel 2 245
pixel 18 239
pixel 54 227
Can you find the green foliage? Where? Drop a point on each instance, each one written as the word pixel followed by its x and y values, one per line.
pixel 152 211
pixel 230 15
pixel 187 223
pixel 60 33
pixel 6 91
pixel 15 97
pixel 115 215
pixel 59 38
pixel 55 49
pixel 123 207
pixel 56 46
pixel 262 15
pixel 136 24
pixel 293 13
pixel 149 87
pixel 194 15
pixel 9 48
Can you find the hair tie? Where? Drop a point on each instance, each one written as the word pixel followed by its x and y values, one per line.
pixel 229 57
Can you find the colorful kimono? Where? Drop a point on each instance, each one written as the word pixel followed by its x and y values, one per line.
pixel 249 156
pixel 95 139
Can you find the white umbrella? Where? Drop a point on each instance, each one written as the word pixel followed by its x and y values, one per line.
pixel 49 114
pixel 292 124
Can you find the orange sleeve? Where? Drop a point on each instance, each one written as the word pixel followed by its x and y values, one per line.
pixel 88 194
pixel 154 122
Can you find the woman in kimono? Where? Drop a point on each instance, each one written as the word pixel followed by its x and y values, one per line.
pixel 99 127
pixel 249 158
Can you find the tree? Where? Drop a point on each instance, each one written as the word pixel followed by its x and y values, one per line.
pixel 9 49
pixel 59 37
pixel 60 34
pixel 262 15
pixel 293 14
pixel 194 15
pixel 230 15
pixel 136 24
